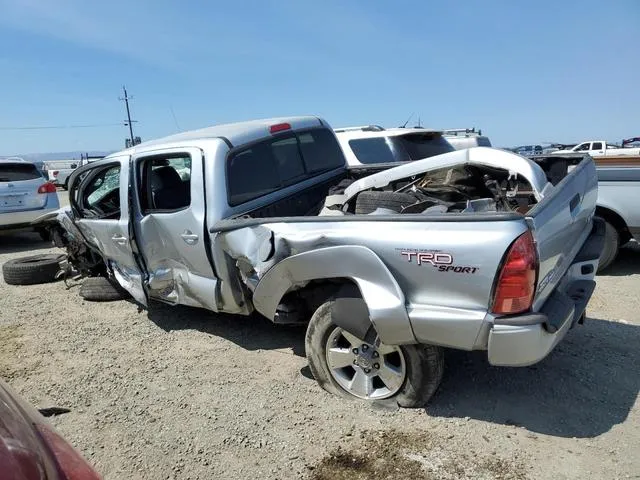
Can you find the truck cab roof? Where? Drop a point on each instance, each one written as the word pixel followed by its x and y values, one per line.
pixel 233 134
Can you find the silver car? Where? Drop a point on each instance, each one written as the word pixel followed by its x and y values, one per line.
pixel 25 195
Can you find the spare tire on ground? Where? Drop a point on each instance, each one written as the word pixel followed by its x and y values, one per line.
pixel 369 201
pixel 32 270
pixel 101 289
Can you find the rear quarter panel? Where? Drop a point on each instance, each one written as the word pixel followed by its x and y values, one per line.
pixel 436 263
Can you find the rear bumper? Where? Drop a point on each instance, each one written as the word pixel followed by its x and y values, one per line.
pixel 522 340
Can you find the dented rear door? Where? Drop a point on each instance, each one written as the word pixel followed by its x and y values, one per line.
pixel 170 226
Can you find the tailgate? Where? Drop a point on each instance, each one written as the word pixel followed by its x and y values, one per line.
pixel 561 223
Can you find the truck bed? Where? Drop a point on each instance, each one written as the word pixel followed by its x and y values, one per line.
pixel 439 268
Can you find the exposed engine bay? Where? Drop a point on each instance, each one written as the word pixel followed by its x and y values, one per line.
pixel 463 188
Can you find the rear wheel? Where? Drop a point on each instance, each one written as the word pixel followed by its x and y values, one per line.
pixel 346 365
pixel 611 246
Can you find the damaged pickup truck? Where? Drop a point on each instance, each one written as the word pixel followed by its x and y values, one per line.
pixel 477 249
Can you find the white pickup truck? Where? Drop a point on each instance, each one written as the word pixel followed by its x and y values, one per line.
pixel 600 148
pixel 60 176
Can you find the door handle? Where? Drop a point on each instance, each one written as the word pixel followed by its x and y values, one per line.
pixel 575 201
pixel 119 239
pixel 189 237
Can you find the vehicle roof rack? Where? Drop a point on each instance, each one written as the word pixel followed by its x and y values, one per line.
pixel 363 128
pixel 465 131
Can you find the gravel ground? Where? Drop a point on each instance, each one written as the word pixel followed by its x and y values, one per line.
pixel 182 393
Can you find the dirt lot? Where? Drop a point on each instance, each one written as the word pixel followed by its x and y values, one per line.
pixel 182 393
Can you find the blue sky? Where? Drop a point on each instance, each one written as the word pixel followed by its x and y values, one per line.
pixel 522 71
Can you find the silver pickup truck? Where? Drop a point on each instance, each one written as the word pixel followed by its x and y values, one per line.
pixel 385 266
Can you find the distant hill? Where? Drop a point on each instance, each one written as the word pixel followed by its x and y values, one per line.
pixel 47 157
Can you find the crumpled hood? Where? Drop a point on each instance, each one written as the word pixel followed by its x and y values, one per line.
pixel 490 157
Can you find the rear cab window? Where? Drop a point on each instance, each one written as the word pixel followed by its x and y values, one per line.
pixel 275 163
pixel 18 172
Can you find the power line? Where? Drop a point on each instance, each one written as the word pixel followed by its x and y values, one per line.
pixel 174 117
pixel 53 127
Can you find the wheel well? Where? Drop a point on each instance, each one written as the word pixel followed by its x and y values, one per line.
pixel 617 221
pixel 298 304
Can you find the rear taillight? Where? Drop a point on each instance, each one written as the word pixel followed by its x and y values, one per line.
pixel 55 173
pixel 47 188
pixel 517 281
pixel 71 465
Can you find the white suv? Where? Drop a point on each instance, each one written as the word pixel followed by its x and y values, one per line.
pixel 373 144
pixel 25 194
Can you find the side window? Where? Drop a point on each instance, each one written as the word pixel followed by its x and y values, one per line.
pixel 583 147
pixel 100 196
pixel 166 183
pixel 596 146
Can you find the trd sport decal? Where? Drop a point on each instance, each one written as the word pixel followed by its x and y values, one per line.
pixel 442 261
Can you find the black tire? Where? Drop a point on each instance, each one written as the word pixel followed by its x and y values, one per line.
pixel 368 202
pixel 101 289
pixel 611 247
pixel 424 363
pixel 32 270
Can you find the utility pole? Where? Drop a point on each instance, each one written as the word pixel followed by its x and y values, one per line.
pixel 128 122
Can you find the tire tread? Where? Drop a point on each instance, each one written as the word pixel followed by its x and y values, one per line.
pixel 101 289
pixel 32 270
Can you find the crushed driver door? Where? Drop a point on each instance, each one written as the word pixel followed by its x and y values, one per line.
pixel 100 196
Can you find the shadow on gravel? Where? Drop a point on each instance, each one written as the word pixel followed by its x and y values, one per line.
pixel 626 263
pixel 585 387
pixel 251 333
pixel 21 242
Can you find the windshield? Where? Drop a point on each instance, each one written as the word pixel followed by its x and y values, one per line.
pixel 16 172
pixel 401 148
